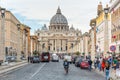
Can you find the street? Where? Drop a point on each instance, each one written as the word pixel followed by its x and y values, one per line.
pixel 50 71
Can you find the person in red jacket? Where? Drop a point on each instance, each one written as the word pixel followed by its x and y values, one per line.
pixel 103 65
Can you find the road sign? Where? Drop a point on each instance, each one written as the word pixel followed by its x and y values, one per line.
pixel 112 48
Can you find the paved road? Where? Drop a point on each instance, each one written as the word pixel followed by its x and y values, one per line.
pixel 50 71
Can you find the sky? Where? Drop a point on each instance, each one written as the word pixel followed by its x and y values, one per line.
pixel 36 13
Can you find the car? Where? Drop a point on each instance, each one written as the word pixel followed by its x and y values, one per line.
pixel 35 59
pixel 45 57
pixel 69 58
pixel 11 58
pixel 55 58
pixel 78 61
pixel 84 64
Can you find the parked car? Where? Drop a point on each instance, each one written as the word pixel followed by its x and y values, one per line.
pixel 11 58
pixel 55 58
pixel 74 59
pixel 78 61
pixel 84 64
pixel 35 59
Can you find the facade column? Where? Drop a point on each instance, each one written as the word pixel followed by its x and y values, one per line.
pixel 31 47
pixel 3 54
pixel 26 45
pixel 18 49
pixel 93 45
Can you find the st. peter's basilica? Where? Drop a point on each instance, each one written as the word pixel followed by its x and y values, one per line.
pixel 58 37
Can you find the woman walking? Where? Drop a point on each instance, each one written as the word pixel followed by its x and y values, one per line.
pixel 103 65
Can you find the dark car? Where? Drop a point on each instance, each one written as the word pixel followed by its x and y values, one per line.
pixel 84 64
pixel 11 58
pixel 35 59
pixel 78 61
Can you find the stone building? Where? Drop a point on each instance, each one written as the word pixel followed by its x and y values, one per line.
pixel 8 35
pixel 58 37
pixel 25 41
pixel 115 24
pixel 103 31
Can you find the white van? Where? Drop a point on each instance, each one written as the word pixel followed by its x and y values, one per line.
pixel 69 58
pixel 55 58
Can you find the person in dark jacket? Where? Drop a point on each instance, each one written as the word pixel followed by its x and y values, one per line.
pixel 90 64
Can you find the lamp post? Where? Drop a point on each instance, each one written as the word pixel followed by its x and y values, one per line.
pixel 3 33
pixel 106 40
pixel 93 51
pixel 19 49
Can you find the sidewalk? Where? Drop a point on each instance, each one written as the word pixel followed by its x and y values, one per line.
pixel 11 66
pixel 112 74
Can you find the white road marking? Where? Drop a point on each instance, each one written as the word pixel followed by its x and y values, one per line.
pixel 37 71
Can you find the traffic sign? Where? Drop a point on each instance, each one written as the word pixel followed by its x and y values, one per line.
pixel 112 48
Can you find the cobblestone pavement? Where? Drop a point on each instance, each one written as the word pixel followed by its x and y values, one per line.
pixel 50 71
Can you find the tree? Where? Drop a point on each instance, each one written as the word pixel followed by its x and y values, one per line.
pixel 77 53
pixel 35 53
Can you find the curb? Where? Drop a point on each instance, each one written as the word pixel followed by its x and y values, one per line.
pixel 13 67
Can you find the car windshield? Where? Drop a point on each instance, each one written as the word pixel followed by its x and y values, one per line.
pixel 59 39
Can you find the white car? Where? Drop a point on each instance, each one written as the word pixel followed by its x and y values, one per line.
pixel 69 58
pixel 55 58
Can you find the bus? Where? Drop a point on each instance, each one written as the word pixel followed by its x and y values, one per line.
pixel 45 57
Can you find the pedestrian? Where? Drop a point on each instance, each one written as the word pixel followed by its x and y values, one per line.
pixel 90 64
pixel 95 63
pixel 118 70
pixel 98 62
pixel 107 70
pixel 115 61
pixel 28 59
pixel 103 65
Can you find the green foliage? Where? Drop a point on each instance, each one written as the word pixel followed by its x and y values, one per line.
pixel 35 53
pixel 77 53
pixel 83 53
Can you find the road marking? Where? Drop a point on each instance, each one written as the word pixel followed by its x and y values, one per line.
pixel 37 71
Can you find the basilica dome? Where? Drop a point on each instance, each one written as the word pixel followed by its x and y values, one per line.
pixel 58 18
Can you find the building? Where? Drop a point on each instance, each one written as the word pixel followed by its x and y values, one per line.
pixel 25 41
pixel 92 39
pixel 8 35
pixel 84 43
pixel 58 37
pixel 115 24
pixel 34 44
pixel 103 31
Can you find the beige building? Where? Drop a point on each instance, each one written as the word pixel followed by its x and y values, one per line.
pixel 8 35
pixel 58 37
pixel 115 24
pixel 92 39
pixel 24 40
pixel 103 31
pixel 14 36
pixel 85 40
pixel 34 44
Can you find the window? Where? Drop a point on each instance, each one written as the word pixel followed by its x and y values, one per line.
pixel 66 48
pixel 38 34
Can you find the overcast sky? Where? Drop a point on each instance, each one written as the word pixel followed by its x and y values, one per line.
pixel 36 13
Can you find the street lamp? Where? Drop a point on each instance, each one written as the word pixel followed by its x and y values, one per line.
pixel 106 11
pixel 106 34
pixel 3 32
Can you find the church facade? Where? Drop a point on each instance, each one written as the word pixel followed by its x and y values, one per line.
pixel 58 37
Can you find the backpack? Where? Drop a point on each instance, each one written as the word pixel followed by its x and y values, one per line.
pixel 66 63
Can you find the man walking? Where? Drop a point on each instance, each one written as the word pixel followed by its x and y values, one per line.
pixel 90 64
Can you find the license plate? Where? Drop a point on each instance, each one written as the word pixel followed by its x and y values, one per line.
pixel 46 57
